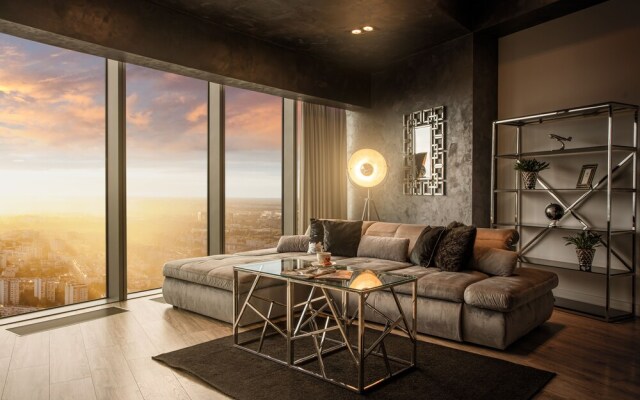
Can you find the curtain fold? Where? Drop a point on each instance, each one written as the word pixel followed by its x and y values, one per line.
pixel 323 164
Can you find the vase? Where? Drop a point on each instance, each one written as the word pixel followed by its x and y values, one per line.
pixel 585 258
pixel 529 179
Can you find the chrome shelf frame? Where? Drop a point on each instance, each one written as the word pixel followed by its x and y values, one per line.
pixel 604 185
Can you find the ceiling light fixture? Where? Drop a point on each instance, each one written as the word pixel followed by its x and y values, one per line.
pixel 367 28
pixel 356 31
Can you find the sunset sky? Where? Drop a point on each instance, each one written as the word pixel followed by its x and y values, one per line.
pixel 52 133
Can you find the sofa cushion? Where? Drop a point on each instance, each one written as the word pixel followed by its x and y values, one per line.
pixel 342 238
pixel 456 247
pixel 217 271
pixel 425 248
pixel 411 232
pixel 385 248
pixel 504 239
pixel 494 261
pixel 506 293
pixel 443 285
pixel 293 243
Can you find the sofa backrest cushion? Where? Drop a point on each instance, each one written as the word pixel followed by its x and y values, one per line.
pixel 492 261
pixel 385 248
pixel 341 238
pixel 293 243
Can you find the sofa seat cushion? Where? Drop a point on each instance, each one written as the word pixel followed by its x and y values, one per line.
pixel 442 285
pixel 217 271
pixel 506 293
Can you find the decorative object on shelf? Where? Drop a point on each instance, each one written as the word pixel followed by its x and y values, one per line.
pixel 586 243
pixel 367 168
pixel 424 152
pixel 529 168
pixel 586 176
pixel 554 212
pixel 560 139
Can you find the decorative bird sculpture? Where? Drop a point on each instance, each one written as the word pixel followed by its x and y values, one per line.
pixel 560 139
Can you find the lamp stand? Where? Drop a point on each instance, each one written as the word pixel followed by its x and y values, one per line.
pixel 368 203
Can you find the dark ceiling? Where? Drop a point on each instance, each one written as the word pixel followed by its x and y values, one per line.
pixel 321 28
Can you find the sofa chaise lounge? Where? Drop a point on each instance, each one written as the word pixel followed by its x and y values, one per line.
pixel 470 305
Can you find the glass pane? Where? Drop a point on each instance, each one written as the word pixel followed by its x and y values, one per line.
pixel 52 176
pixel 253 157
pixel 166 173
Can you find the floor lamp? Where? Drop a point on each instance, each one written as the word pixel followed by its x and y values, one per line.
pixel 367 168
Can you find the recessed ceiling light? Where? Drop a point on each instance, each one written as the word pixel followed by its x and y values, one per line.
pixel 356 31
pixel 367 28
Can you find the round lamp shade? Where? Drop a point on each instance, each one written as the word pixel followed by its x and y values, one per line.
pixel 366 279
pixel 367 168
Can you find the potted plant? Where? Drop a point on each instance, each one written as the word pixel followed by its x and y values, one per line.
pixel 586 243
pixel 530 167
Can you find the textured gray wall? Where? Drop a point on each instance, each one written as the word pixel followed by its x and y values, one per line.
pixel 440 76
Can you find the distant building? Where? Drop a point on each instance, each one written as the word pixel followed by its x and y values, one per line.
pixel 45 289
pixel 9 291
pixel 75 293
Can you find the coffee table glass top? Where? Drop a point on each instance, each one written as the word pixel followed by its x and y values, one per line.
pixel 338 276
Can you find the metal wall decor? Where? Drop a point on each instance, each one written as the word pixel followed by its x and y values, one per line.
pixel 424 152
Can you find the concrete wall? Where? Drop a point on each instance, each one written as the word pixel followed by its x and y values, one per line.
pixel 460 75
pixel 440 76
pixel 588 57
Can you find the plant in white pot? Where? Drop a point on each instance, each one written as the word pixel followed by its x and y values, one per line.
pixel 529 168
pixel 586 243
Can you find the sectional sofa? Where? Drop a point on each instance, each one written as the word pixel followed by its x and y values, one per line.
pixel 469 305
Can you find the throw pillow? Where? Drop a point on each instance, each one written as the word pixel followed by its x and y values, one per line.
pixel 316 236
pixel 386 248
pixel 293 243
pixel 493 261
pixel 456 247
pixel 425 248
pixel 341 238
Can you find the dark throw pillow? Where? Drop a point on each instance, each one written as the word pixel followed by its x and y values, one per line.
pixel 341 238
pixel 425 248
pixel 455 251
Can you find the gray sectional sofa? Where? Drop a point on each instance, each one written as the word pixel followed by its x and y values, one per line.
pixel 470 305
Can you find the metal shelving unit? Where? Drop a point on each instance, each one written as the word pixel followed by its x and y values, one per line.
pixel 625 263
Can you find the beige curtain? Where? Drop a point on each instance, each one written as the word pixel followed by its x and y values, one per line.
pixel 323 164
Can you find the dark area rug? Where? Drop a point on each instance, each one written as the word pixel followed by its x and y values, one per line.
pixel 442 373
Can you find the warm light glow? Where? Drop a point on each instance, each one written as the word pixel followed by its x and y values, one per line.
pixel 367 168
pixel 365 280
pixel 356 31
pixel 367 28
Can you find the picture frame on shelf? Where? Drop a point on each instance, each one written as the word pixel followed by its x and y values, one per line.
pixel 587 174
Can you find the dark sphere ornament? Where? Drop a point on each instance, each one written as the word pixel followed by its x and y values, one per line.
pixel 554 211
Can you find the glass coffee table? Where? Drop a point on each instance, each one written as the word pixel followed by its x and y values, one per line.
pixel 325 318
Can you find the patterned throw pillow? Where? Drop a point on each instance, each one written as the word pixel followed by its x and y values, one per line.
pixel 425 248
pixel 316 236
pixel 455 251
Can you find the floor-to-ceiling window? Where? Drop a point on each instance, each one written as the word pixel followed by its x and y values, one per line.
pixel 52 176
pixel 253 170
pixel 166 172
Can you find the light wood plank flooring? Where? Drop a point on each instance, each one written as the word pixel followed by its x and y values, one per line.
pixel 110 358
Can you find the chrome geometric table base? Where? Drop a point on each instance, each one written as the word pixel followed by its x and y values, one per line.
pixel 319 315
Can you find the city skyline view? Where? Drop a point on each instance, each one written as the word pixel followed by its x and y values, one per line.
pixel 53 175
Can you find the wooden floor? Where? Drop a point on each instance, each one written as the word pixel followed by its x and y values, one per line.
pixel 110 358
